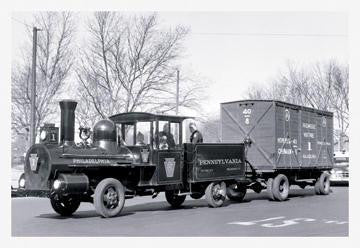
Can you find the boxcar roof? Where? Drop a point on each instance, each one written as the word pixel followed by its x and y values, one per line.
pixel 132 117
pixel 281 103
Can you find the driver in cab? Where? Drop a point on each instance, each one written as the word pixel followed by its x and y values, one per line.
pixel 166 139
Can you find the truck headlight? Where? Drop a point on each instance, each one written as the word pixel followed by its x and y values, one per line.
pixel 57 183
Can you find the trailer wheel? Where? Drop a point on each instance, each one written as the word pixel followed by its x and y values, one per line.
pixel 109 197
pixel 322 185
pixel 65 206
pixel 317 187
pixel 236 192
pixel 269 188
pixel 215 194
pixel 280 187
pixel 173 199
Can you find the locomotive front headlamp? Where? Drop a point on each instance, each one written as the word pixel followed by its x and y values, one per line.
pixel 57 184
pixel 22 183
pixel 43 135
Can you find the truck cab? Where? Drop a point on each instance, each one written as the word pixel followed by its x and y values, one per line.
pixel 156 143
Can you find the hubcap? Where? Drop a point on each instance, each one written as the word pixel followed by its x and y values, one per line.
pixel 110 198
pixel 281 186
pixel 218 192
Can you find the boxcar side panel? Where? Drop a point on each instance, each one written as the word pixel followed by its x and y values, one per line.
pixel 284 136
pixel 287 137
pixel 309 137
pixel 324 144
pixel 254 120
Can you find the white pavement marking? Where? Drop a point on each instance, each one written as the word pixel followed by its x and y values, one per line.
pixel 336 222
pixel 288 222
pixel 249 223
pixel 284 223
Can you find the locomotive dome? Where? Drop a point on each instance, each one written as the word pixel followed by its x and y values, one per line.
pixel 104 130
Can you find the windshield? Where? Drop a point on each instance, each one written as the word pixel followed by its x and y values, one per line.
pixel 135 134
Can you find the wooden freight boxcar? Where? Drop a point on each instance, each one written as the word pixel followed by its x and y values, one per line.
pixel 286 143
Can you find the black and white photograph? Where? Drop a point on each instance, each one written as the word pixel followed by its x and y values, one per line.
pixel 176 123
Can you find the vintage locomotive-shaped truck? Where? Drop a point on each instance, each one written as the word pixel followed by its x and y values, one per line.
pixel 115 166
pixel 129 156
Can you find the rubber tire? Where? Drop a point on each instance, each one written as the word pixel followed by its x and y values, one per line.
pixel 65 206
pixel 236 194
pixel 173 199
pixel 278 195
pixel 197 196
pixel 323 184
pixel 269 187
pixel 210 197
pixel 317 187
pixel 100 208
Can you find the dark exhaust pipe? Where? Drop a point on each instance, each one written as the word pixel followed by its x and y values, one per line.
pixel 67 122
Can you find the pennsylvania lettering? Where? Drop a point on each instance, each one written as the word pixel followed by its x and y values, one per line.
pixel 224 161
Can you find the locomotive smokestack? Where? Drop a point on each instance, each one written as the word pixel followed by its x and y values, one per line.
pixel 67 122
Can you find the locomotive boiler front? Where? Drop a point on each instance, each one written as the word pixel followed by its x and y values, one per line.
pixel 48 165
pixel 42 160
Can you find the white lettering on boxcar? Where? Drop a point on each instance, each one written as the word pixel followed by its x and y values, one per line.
pixel 309 125
pixel 309 156
pixel 283 140
pixel 323 143
pixel 309 135
pixel 284 151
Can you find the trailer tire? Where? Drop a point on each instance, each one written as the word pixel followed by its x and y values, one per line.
pixel 236 192
pixel 173 199
pixel 215 194
pixel 280 187
pixel 64 206
pixel 109 197
pixel 323 184
pixel 269 187
pixel 317 187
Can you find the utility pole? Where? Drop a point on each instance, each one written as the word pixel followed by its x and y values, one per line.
pixel 177 101
pixel 177 90
pixel 33 89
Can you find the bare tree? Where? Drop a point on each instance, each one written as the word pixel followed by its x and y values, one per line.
pixel 210 129
pixel 323 86
pixel 54 61
pixel 130 65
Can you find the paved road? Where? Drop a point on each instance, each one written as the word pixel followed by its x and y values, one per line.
pixel 304 214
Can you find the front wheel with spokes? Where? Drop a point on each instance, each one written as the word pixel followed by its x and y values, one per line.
pixel 109 197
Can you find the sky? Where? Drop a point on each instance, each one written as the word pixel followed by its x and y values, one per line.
pixel 230 51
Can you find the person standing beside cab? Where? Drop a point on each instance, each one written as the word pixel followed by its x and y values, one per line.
pixel 195 137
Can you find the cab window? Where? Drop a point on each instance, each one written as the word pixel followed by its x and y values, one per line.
pixel 168 136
